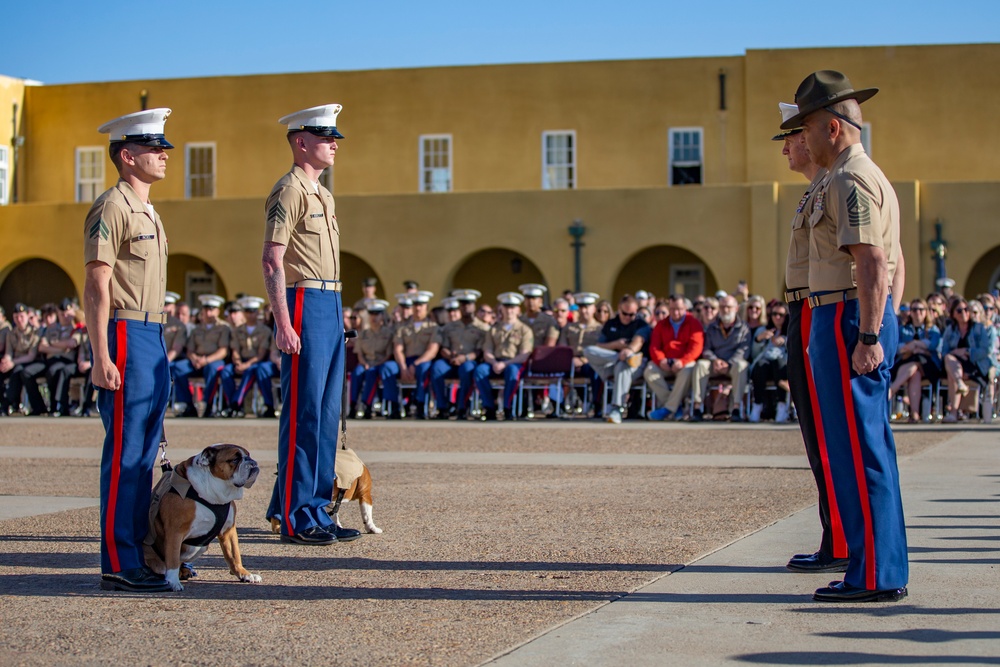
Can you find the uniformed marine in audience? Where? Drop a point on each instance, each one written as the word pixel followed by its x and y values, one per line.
pixel 207 349
pixel 175 332
pixel 403 312
pixel 368 287
pixel 506 348
pixel 543 326
pixel 250 346
pixel 4 367
pixel 23 363
pixel 461 347
pixel 58 348
pixel 374 347
pixel 415 345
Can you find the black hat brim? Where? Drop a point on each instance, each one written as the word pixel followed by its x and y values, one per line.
pixel 322 131
pixel 151 140
pixel 787 133
pixel 860 96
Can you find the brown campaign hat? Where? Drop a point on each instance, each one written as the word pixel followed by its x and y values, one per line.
pixel 821 89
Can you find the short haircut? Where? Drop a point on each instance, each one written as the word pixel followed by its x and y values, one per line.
pixel 849 108
pixel 628 300
pixel 115 152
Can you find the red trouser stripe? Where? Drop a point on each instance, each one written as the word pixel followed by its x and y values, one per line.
pixel 293 407
pixel 243 394
pixel 121 355
pixel 836 525
pixel 859 464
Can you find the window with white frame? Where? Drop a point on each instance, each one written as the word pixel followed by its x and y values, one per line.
pixel 559 160
pixel 866 137
pixel 89 172
pixel 199 168
pixel 435 163
pixel 326 178
pixel 4 174
pixel 685 155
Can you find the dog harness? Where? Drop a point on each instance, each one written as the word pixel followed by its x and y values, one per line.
pixel 171 482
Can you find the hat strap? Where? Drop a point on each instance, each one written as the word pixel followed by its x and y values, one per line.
pixel 843 118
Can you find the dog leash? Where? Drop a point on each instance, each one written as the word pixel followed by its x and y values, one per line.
pixel 164 461
pixel 344 400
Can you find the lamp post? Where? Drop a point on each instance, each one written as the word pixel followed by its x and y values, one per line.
pixel 940 248
pixel 577 230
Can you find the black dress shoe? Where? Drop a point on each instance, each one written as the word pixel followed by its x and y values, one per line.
pixel 697 416
pixel 135 580
pixel 344 534
pixel 843 592
pixel 189 411
pixel 314 536
pixel 490 415
pixel 817 562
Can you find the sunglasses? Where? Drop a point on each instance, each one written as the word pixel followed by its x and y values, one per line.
pixel 661 313
pixel 777 314
pixel 624 314
pixel 753 307
pixel 918 309
pixel 961 310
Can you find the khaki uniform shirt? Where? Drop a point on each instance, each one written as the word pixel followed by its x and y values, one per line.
pixel 506 341
pixel 58 332
pixel 3 339
pixel 797 264
pixel 303 220
pixel 122 233
pixel 375 347
pixel 251 346
pixel 20 343
pixel 542 326
pixel 174 333
pixel 205 340
pixel 579 335
pixel 460 338
pixel 415 342
pixel 855 204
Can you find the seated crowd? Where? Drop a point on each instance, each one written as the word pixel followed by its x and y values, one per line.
pixel 721 358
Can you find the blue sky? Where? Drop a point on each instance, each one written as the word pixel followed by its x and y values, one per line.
pixel 68 41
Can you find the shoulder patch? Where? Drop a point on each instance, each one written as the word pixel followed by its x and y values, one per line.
pixel 99 232
pixel 276 215
pixel 858 209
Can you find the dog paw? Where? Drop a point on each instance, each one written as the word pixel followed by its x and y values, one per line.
pixel 250 578
pixel 275 526
pixel 373 529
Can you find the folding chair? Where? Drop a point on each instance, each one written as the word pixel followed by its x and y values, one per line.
pixel 548 364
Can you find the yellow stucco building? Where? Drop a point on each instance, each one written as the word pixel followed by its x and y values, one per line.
pixel 472 176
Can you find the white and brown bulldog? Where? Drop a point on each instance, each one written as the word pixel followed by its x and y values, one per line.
pixel 192 505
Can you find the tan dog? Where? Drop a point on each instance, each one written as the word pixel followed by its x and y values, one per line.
pixel 354 478
pixel 192 505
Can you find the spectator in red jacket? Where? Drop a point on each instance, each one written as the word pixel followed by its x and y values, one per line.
pixel 675 346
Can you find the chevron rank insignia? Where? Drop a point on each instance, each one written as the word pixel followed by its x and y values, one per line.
pixel 99 232
pixel 276 214
pixel 858 209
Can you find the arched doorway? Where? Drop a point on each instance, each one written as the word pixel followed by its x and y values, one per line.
pixel 192 276
pixel 353 270
pixel 984 274
pixel 665 270
pixel 35 282
pixel 494 271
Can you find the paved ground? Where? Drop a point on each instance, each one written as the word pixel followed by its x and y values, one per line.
pixel 499 534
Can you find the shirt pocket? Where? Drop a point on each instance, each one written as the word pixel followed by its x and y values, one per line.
pixel 140 249
pixel 314 222
pixel 798 221
pixel 815 217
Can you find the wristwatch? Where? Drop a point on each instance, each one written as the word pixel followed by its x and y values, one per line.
pixel 868 338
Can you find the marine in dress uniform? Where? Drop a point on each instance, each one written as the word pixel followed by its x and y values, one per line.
pixel 853 256
pixel 832 553
pixel 23 363
pixel 207 349
pixel 415 345
pixel 5 364
pixel 506 348
pixel 543 326
pixel 250 345
pixel 374 347
pixel 125 251
pixel 302 275
pixel 461 347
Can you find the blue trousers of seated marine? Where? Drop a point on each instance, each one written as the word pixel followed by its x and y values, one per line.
pixel 312 387
pixel 860 445
pixel 441 371
pixel 260 372
pixel 133 425
pixel 511 375
pixel 369 383
pixel 357 382
pixel 389 374
pixel 182 370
